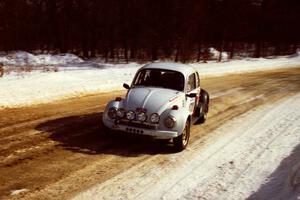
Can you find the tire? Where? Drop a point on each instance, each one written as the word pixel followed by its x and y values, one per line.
pixel 204 99
pixel 204 106
pixel 202 117
pixel 181 142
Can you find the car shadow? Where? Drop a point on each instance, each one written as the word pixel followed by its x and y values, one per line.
pixel 86 134
pixel 284 182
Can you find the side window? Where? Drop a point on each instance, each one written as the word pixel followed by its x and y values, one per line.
pixel 197 80
pixel 191 82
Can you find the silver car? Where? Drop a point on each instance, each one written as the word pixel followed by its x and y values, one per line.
pixel 163 101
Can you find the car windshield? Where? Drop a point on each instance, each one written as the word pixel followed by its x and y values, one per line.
pixel 160 78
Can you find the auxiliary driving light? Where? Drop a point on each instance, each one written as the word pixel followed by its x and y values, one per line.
pixel 141 116
pixel 112 113
pixel 130 115
pixel 170 122
pixel 120 113
pixel 154 118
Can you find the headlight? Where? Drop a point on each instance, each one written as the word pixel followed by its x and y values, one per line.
pixel 130 115
pixel 121 113
pixel 141 116
pixel 112 113
pixel 170 122
pixel 154 118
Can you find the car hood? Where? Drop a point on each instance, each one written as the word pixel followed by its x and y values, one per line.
pixel 154 100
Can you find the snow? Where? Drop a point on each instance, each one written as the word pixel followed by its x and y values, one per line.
pixel 76 77
pixel 215 54
pixel 248 157
pixel 246 65
pixel 16 192
pixel 22 58
pixel 255 156
pixel 44 87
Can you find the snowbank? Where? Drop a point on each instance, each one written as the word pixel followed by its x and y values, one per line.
pixel 76 77
pixel 246 65
pixel 215 54
pixel 22 58
pixel 35 87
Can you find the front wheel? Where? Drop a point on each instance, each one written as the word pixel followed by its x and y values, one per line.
pixel 203 106
pixel 182 141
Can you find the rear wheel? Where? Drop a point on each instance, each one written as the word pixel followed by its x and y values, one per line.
pixel 203 114
pixel 182 141
pixel 204 106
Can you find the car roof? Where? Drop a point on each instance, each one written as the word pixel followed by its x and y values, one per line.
pixel 182 68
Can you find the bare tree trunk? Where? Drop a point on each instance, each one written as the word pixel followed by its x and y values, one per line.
pixel 177 55
pixel 232 49
pixel 199 52
pixel 257 49
pixel 220 53
pixel 106 54
pixel 154 52
pixel 118 54
pixel 295 46
pixel 132 52
pixel 126 51
pixel 112 52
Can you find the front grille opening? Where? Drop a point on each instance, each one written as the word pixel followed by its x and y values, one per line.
pixel 133 130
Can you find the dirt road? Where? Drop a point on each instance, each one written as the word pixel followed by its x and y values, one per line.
pixel 57 150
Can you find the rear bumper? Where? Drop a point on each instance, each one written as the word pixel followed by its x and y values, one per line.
pixel 155 133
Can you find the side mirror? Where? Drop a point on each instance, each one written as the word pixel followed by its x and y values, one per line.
pixel 126 86
pixel 191 95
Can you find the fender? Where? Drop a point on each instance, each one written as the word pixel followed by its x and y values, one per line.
pixel 181 115
pixel 113 103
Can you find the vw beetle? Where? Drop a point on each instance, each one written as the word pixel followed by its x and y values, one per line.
pixel 163 100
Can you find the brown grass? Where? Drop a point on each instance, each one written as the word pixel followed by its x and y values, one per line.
pixel 25 69
pixel 1 71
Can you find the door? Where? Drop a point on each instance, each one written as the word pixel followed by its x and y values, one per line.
pixel 193 87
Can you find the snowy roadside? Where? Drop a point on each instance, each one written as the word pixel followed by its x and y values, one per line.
pixel 255 156
pixel 76 77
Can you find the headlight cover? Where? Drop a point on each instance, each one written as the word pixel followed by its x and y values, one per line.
pixel 154 118
pixel 130 115
pixel 120 113
pixel 170 122
pixel 141 116
pixel 112 113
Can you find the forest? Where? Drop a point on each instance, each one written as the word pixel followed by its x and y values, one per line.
pixel 139 30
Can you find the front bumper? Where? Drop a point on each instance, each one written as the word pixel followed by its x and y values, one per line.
pixel 155 133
